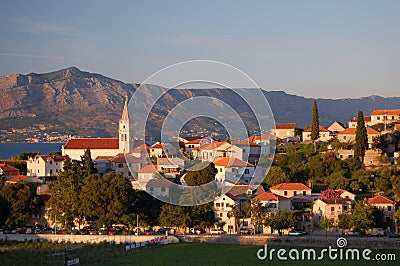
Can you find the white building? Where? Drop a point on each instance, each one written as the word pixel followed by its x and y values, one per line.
pixel 44 165
pixel 222 207
pixel 233 170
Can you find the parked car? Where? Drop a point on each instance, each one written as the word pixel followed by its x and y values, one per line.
pixel 246 231
pixel 375 232
pixel 93 232
pixel 392 235
pixel 215 231
pixel 296 233
pixel 195 231
pixel 84 232
pixel 103 231
pixel 138 231
pixel 352 233
pixel 162 231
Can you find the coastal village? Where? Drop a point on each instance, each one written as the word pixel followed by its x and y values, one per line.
pixel 235 162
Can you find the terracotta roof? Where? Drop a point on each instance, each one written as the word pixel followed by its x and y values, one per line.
pixel 46 158
pixel 386 112
pixel 109 158
pixel 125 113
pixel 8 168
pixel 269 196
pixel 366 119
pixel 245 143
pixel 341 191
pixel 231 162
pixel 321 129
pixel 148 169
pixel 335 200
pixel 92 143
pixel 285 126
pixel 158 182
pixel 159 145
pixel 119 158
pixel 17 178
pixel 195 141
pixel 190 138
pixel 352 131
pixel 397 127
pixel 240 190
pixel 380 200
pixel 290 186
pixel 212 146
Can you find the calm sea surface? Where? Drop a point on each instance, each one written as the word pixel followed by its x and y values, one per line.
pixel 13 149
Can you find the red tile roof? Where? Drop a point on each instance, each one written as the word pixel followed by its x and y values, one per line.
pixel 18 178
pixel 92 143
pixel 285 126
pixel 195 141
pixel 380 200
pixel 159 145
pixel 269 196
pixel 366 119
pixel 290 186
pixel 8 169
pixel 321 129
pixel 352 131
pixel 231 162
pixel 158 182
pixel 386 112
pixel 46 158
pixel 148 169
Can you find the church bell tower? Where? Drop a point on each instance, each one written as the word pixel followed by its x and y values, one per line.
pixel 124 130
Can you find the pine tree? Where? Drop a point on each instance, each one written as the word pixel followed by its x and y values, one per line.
pixel 315 125
pixel 87 163
pixel 361 138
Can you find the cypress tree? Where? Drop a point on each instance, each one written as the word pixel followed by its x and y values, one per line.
pixel 315 125
pixel 361 144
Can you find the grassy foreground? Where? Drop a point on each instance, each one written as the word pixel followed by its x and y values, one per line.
pixel 196 254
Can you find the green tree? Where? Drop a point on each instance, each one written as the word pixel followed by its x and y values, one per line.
pixel 344 221
pixel 275 176
pixel 20 201
pixel 362 216
pixel 280 220
pixel 361 144
pixel 87 163
pixel 315 125
pixel 326 224
pixel 396 218
pixel 201 173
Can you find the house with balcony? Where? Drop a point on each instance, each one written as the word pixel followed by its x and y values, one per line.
pixel 330 209
pixel 222 209
pixel 385 116
pixel 214 150
pixel 349 135
pixel 45 165
pixel 233 170
pixel 385 204
pixel 284 131
pixel 273 202
pixel 324 134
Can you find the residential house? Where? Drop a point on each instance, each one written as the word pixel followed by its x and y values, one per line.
pixel 330 209
pixel 291 190
pixel 189 145
pixel 214 150
pixel 353 122
pixel 387 205
pixel 120 166
pixel 344 194
pixel 8 171
pixel 171 167
pixel 158 149
pixel 75 148
pixel 233 170
pixel 246 151
pixel 158 187
pixel 349 135
pixel 385 116
pixel 345 154
pixel 274 202
pixel 45 165
pixel 324 134
pixel 146 173
pixel 222 209
pixel 284 131
pixel 336 127
pixel 374 157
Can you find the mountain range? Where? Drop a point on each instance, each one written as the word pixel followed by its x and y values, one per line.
pixel 71 101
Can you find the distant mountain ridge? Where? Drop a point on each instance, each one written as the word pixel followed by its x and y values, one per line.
pixel 72 101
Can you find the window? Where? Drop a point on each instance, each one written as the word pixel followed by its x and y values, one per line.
pixel 332 209
pixel 223 198
pixel 51 162
pixel 120 165
pixel 217 204
pixel 51 171
pixel 163 189
pixel 221 214
pixel 227 205
pixel 220 170
pixel 344 208
pixel 151 189
pixel 389 208
pixel 222 204
pixel 246 171
pixel 294 193
pixel 304 192
pixel 344 137
pixel 285 193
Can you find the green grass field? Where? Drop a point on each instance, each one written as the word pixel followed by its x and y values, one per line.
pixel 196 254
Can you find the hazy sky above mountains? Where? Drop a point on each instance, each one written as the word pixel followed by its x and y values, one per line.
pixel 326 49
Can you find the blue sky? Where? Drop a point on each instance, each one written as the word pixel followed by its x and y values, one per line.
pixel 325 49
